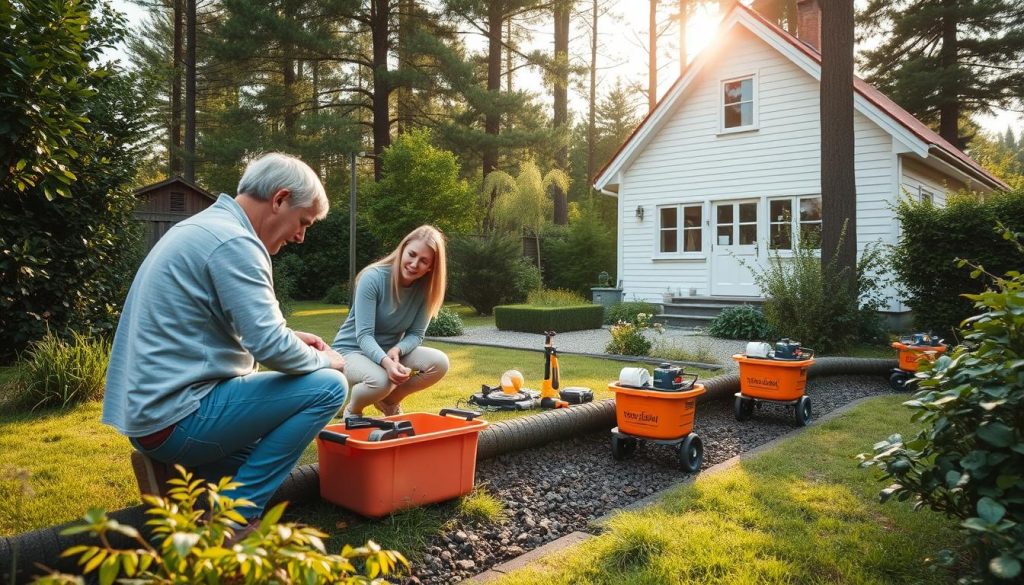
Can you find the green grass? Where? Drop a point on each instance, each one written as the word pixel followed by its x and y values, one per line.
pixel 802 512
pixel 324 319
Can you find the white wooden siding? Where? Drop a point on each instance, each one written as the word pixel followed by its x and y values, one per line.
pixel 916 176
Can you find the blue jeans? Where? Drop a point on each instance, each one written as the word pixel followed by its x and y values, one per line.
pixel 253 428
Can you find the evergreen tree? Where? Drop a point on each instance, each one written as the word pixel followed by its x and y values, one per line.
pixel 943 59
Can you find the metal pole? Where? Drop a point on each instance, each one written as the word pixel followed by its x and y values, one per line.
pixel 352 229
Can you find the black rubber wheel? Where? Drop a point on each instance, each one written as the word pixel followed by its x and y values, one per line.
pixel 898 381
pixel 802 411
pixel 743 408
pixel 622 447
pixel 691 453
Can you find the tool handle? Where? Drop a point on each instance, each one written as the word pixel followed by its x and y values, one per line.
pixel 466 414
pixel 363 422
pixel 691 383
pixel 339 438
pixel 806 353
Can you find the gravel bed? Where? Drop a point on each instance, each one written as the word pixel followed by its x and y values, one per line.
pixel 561 488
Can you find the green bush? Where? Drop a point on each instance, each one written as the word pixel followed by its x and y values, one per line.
pixel 742 322
pixel 576 254
pixel 969 463
pixel 628 311
pixel 486 272
pixel 447 323
pixel 338 294
pixel 286 273
pixel 324 253
pixel 189 545
pixel 532 319
pixel 628 337
pixel 547 297
pixel 62 373
pixel 815 304
pixel 931 240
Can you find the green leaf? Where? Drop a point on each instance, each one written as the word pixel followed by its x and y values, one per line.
pixel 990 510
pixel 108 570
pixel 1004 567
pixel 996 434
pixel 183 542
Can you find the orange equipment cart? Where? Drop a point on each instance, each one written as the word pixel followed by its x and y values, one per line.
pixel 782 381
pixel 660 416
pixel 910 355
pixel 377 466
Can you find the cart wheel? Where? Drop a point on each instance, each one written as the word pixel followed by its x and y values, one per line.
pixel 622 447
pixel 743 408
pixel 803 411
pixel 691 453
pixel 898 380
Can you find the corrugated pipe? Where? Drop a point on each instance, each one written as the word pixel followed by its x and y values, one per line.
pixel 44 546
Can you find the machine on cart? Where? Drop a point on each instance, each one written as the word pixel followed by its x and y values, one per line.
pixel 912 349
pixel 661 412
pixel 777 375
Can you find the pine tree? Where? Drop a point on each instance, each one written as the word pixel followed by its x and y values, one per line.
pixel 943 59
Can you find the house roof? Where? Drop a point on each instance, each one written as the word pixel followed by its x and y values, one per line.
pixel 930 141
pixel 170 181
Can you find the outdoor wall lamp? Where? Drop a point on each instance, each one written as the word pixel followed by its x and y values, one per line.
pixel 639 212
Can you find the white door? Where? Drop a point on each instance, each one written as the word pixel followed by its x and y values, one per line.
pixel 734 248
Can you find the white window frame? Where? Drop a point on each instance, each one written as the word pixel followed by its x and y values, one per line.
pixel 754 102
pixel 794 222
pixel 681 230
pixel 925 195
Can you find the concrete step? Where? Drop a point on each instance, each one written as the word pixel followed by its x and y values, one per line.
pixel 725 301
pixel 683 321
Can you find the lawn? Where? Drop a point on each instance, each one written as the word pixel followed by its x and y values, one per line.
pixel 802 512
pixel 324 319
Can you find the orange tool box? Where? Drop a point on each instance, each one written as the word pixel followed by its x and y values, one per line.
pixel 772 379
pixel 655 414
pixel 375 476
pixel 911 354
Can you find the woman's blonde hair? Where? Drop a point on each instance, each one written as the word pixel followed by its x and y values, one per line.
pixel 438 275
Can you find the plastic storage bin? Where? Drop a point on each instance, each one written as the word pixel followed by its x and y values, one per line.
pixel 376 478
pixel 655 414
pixel 911 354
pixel 772 379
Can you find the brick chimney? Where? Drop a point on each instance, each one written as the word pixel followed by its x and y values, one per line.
pixel 808 23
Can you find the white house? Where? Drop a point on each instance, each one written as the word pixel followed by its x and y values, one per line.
pixel 726 168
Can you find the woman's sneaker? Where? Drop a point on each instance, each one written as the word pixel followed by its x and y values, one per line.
pixel 388 409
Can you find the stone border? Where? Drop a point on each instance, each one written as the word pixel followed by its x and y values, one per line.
pixel 574 538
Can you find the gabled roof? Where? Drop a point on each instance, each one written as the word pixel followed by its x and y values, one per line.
pixel 868 100
pixel 170 181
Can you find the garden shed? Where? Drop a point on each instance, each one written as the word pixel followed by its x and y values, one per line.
pixel 163 204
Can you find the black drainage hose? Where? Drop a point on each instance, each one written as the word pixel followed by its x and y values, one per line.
pixel 44 546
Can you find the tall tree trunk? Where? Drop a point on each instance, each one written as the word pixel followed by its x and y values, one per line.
pixel 174 145
pixel 403 93
pixel 592 108
pixel 949 106
pixel 652 54
pixel 560 118
pixel 379 21
pixel 683 21
pixel 288 79
pixel 190 91
pixel 838 183
pixel 508 56
pixel 492 120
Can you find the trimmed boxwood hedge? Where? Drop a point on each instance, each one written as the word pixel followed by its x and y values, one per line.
pixel 532 319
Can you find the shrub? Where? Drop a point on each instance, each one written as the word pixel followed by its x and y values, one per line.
pixel 55 372
pixel 932 238
pixel 324 253
pixel 628 338
pixel 286 273
pixel 742 322
pixel 338 294
pixel 447 323
pixel 681 351
pixel 815 304
pixel 628 311
pixel 969 463
pixel 575 255
pixel 547 297
pixel 186 548
pixel 531 319
pixel 486 272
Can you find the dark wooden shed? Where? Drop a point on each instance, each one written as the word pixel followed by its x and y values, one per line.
pixel 163 204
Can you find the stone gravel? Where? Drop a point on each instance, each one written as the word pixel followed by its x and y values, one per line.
pixel 563 487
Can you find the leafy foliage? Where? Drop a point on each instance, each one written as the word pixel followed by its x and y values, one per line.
pixel 743 322
pixel 190 545
pixel 816 304
pixel 338 294
pixel 534 319
pixel 56 372
pixel 324 254
pixel 486 272
pixel 628 336
pixel 286 271
pixel 627 311
pixel 547 297
pixel 66 262
pixel 522 202
pixel 446 323
pixel 574 256
pixel 420 185
pixel 969 463
pixel 932 238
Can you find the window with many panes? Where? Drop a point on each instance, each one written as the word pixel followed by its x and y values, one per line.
pixel 785 227
pixel 738 103
pixel 680 237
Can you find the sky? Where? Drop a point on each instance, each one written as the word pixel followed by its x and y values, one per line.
pixel 622 52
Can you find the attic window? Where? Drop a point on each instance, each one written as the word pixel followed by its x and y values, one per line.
pixel 177 202
pixel 738 104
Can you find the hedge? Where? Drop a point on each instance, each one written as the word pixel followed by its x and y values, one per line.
pixel 531 319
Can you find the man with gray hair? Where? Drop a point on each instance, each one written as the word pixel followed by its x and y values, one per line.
pixel 182 382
